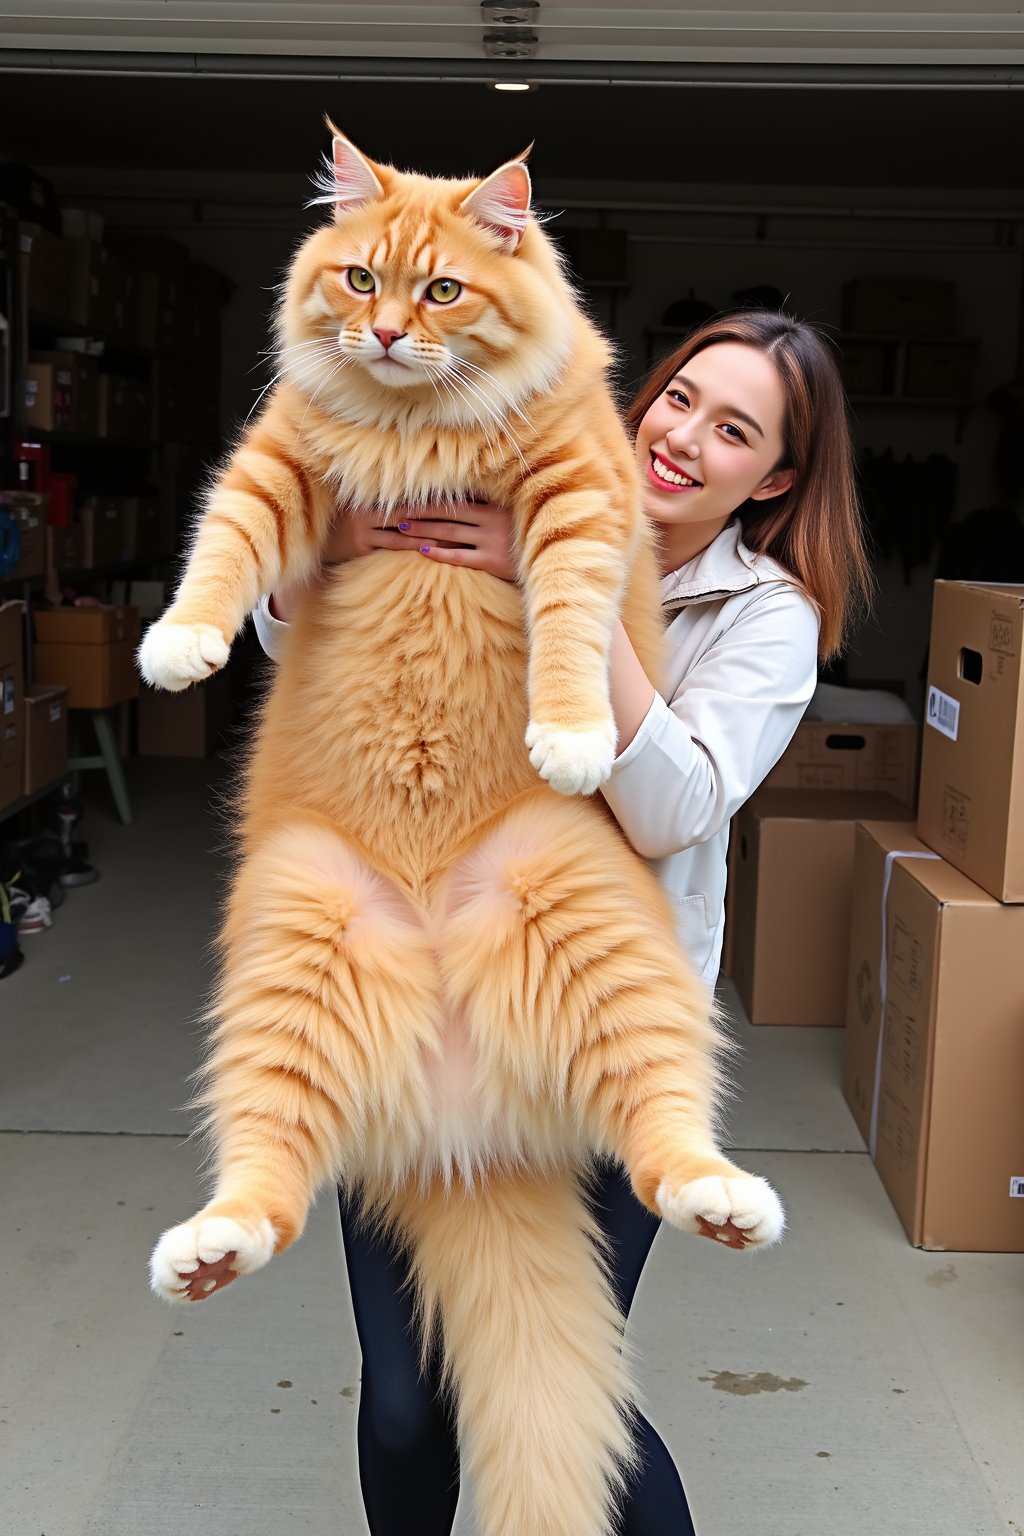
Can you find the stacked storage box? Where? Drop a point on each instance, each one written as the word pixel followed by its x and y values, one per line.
pixel 934 1068
pixel 791 866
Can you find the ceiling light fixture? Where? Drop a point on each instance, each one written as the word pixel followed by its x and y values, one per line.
pixel 511 85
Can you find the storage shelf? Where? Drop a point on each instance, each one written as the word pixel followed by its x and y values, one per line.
pixel 46 322
pixel 83 440
pixel 38 794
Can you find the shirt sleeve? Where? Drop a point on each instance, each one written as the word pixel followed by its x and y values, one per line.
pixel 696 759
pixel 269 631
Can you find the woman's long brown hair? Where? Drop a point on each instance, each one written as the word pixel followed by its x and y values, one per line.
pixel 815 528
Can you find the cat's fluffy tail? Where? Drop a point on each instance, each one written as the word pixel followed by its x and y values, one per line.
pixel 511 1273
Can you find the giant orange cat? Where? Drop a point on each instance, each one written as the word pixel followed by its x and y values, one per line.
pixel 446 978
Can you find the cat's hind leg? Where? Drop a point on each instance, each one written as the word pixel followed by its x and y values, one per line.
pixel 560 947
pixel 327 1007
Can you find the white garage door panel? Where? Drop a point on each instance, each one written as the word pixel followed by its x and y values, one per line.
pixel 928 32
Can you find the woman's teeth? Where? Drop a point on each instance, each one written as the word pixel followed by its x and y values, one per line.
pixel 672 476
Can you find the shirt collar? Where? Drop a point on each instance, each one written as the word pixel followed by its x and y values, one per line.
pixel 725 567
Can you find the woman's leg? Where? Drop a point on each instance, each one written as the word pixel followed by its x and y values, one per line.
pixel 408 1449
pixel 655 1504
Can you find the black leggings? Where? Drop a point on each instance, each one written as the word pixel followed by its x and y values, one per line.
pixel 408 1447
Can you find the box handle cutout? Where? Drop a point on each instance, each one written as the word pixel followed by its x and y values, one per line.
pixel 838 743
pixel 743 847
pixel 970 668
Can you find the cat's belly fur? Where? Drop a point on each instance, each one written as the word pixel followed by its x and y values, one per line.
pixel 397 718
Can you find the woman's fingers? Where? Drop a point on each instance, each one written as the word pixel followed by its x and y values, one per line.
pixel 456 532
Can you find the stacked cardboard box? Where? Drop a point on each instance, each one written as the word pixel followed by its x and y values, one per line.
pixel 857 758
pixel 91 650
pixel 935 993
pixel 791 909
pixel 61 393
pixel 46 736
pixel 12 701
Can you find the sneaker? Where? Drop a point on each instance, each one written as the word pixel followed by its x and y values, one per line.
pixel 35 917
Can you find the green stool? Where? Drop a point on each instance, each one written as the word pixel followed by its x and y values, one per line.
pixel 108 757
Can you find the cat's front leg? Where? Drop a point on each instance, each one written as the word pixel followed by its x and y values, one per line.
pixel 575 557
pixel 264 522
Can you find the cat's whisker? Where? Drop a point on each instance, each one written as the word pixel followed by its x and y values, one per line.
pixel 342 362
pixel 499 417
pixel 285 369
pixel 464 362
pixel 451 383
pixel 499 421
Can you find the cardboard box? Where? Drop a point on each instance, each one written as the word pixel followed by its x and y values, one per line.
pixel 899 306
pixel 937 1063
pixel 940 370
pixel 64 548
pixel 12 705
pixel 48 404
pixel 91 650
pixel 106 535
pixel 192 723
pixel 75 376
pixel 971 804
pixel 825 755
pixel 791 907
pixel 46 736
pixel 103 290
pixel 822 755
pixel 46 272
pixel 124 409
pixel 28 508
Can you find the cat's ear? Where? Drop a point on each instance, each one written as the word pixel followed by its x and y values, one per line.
pixel 502 203
pixel 352 180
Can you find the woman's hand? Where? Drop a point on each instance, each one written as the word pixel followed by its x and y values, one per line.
pixel 475 534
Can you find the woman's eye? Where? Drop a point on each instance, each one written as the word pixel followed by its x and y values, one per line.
pixel 733 432
pixel 678 396
pixel 443 290
pixel 361 280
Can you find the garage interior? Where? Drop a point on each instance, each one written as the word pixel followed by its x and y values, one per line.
pixel 846 1381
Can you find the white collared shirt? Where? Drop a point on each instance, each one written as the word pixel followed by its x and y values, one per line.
pixel 742 646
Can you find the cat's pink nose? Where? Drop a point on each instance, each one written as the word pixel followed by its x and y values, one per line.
pixel 387 338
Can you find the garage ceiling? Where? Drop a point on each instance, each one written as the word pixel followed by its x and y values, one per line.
pixel 671 95
pixel 604 32
pixel 634 135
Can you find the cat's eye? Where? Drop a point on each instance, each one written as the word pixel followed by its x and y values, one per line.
pixel 443 290
pixel 361 280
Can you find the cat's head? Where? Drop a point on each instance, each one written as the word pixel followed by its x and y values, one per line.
pixel 441 291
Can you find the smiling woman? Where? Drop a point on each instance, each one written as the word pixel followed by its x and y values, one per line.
pixel 751 410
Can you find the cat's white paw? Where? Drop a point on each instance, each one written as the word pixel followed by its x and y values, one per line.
pixel 746 1201
pixel 172 655
pixel 206 1240
pixel 573 762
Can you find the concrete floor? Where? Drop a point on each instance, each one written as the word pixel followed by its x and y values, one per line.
pixel 843 1383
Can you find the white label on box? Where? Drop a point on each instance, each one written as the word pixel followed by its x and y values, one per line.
pixel 1017 1187
pixel 8 695
pixel 943 713
pixel 54 713
pixel 25 242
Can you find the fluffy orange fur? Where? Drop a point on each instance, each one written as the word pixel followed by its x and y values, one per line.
pixel 442 980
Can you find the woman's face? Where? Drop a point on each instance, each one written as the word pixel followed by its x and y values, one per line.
pixel 710 442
